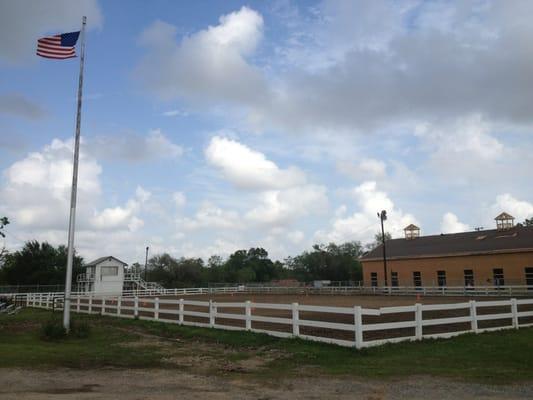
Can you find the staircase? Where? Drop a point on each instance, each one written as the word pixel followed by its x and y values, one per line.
pixel 134 280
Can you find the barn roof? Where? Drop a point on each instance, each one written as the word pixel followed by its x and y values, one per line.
pixel 102 259
pixel 516 239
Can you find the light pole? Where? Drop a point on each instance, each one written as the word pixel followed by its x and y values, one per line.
pixel 383 217
pixel 146 262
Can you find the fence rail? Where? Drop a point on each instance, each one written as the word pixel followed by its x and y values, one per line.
pixel 503 291
pixel 345 326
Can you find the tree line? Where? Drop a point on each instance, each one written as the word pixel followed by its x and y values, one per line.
pixel 43 264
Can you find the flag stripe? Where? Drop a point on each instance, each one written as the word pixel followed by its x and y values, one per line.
pixel 52 47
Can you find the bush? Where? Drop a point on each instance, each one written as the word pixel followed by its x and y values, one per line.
pixel 53 330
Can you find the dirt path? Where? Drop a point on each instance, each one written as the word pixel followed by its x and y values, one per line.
pixel 159 384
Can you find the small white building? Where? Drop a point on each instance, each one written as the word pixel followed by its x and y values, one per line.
pixel 104 275
pixel 108 276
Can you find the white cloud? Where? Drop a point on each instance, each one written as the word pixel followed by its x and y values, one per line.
pixel 24 21
pixel 249 169
pixel 135 148
pixel 283 207
pixel 179 199
pixel 36 197
pixel 367 168
pixel 451 224
pixel 520 209
pixel 364 224
pixel 210 216
pixel 208 64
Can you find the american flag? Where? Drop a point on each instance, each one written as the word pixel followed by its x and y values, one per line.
pixel 58 46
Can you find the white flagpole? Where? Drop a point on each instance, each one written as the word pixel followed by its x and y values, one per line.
pixel 72 219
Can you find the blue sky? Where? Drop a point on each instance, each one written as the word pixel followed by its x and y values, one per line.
pixel 213 126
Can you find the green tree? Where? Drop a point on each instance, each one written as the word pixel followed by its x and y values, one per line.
pixel 528 222
pixel 38 263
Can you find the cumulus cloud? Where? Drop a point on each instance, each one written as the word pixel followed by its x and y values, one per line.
pixel 355 66
pixel 520 209
pixel 283 207
pixel 36 196
pixel 23 21
pixel 209 64
pixel 134 147
pixel 179 199
pixel 249 169
pixel 451 224
pixel 363 224
pixel 210 216
pixel 18 105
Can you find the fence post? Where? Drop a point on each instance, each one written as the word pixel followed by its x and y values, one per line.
pixel 90 308
pixel 211 314
pixel 136 307
pixel 473 315
pixel 156 308
pixel 180 315
pixel 295 320
pixel 119 305
pixel 358 325
pixel 248 311
pixel 102 306
pixel 418 317
pixel 514 310
pixel 78 304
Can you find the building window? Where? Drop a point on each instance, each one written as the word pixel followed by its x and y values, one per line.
pixel 529 277
pixel 374 279
pixel 469 278
pixel 441 278
pixel 497 274
pixel 108 271
pixel 417 278
pixel 394 279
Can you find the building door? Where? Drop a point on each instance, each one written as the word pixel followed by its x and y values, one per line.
pixel 529 277
pixel 469 278
pixel 374 279
pixel 394 279
pixel 497 274
pixel 441 278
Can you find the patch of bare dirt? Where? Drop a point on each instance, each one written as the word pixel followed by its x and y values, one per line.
pixel 163 384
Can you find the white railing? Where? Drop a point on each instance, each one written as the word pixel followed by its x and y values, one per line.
pixel 352 326
pixel 503 291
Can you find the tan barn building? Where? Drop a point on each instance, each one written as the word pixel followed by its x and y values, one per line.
pixel 497 257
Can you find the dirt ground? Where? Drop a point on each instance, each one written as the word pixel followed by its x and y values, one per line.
pixel 161 384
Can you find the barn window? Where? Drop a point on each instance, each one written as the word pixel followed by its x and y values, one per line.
pixel 374 279
pixel 469 277
pixel 497 274
pixel 417 278
pixel 109 271
pixel 394 279
pixel 441 278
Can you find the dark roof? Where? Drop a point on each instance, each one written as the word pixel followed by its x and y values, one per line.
pixel 102 259
pixel 516 239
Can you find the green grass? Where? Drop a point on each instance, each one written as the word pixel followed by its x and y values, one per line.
pixel 498 357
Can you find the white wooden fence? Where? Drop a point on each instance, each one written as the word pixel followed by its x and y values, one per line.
pixel 355 322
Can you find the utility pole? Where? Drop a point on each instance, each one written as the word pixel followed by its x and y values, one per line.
pixel 146 262
pixel 383 217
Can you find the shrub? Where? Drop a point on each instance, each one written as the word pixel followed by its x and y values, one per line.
pixel 53 330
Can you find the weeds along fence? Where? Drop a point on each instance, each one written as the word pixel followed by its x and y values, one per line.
pixel 346 326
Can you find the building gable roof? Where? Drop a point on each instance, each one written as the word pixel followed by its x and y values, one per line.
pixel 102 259
pixel 518 238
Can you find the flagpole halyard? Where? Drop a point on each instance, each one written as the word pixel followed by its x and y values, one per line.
pixel 73 194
